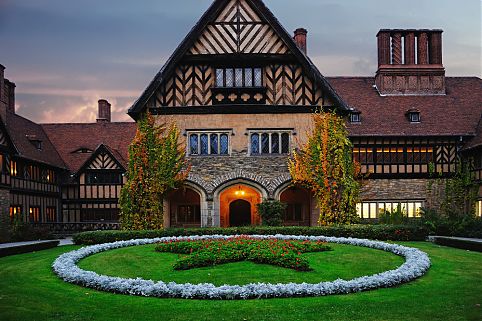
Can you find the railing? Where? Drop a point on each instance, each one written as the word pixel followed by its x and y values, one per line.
pixel 70 228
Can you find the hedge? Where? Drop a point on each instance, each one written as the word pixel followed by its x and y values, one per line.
pixel 374 232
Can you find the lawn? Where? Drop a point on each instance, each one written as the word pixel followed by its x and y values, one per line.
pixel 451 290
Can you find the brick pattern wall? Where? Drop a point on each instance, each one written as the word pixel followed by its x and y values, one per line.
pixel 431 191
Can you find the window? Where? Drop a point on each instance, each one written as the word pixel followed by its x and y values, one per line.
pixel 272 142
pixel 83 150
pixel 478 208
pixel 99 215
pixel 390 155
pixel 355 117
pixel 371 210
pixel 239 77
pixel 13 168
pixel 15 212
pixel 363 155
pixel 420 155
pixel 293 212
pixel 34 214
pixel 50 176
pixel 414 116
pixel 103 177
pixel 208 143
pixel 50 214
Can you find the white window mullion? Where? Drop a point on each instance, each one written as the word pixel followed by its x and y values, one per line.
pixel 269 143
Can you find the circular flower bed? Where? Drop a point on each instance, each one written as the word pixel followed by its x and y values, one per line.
pixel 416 264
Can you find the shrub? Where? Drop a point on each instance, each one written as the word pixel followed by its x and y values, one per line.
pixel 377 232
pixel 284 253
pixel 457 225
pixel 271 212
pixel 398 216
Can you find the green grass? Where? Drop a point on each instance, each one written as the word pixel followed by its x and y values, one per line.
pixel 144 262
pixel 451 290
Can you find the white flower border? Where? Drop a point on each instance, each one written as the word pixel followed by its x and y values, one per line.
pixel 65 266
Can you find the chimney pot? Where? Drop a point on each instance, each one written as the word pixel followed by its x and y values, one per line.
pixel 300 39
pixel 104 112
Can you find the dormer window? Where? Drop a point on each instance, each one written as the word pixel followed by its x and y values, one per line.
pixel 414 116
pixel 239 77
pixel 355 116
pixel 37 143
pixel 83 150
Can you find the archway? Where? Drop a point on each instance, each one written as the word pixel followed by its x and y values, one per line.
pixel 298 209
pixel 239 213
pixel 237 205
pixel 184 208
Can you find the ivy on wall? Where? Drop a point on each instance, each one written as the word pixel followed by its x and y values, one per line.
pixel 157 165
pixel 324 164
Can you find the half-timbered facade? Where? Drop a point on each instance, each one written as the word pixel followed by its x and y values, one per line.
pixel 242 91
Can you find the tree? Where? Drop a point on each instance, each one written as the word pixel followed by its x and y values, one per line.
pixel 157 165
pixel 324 164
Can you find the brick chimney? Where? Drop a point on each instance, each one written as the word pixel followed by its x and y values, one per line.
pixel 414 68
pixel 104 111
pixel 3 107
pixel 300 39
pixel 10 95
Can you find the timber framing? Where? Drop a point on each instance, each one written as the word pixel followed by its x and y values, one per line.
pixel 168 70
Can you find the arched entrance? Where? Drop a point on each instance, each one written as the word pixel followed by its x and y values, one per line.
pixel 298 209
pixel 239 213
pixel 184 208
pixel 237 205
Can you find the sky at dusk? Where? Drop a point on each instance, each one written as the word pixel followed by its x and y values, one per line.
pixel 65 55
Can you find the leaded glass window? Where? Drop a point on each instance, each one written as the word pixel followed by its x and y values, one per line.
pixel 258 77
pixel 285 143
pixel 275 143
pixel 220 77
pixel 204 144
pixel 224 144
pixel 255 144
pixel 239 77
pixel 229 78
pixel 265 143
pixel 214 144
pixel 270 142
pixel 208 143
pixel 248 77
pixel 193 143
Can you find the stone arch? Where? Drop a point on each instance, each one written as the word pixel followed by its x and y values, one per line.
pixel 240 175
pixel 223 195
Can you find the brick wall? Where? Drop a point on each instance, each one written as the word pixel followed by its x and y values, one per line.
pixel 431 191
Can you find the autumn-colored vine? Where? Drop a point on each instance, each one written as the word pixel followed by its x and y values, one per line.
pixel 157 165
pixel 324 164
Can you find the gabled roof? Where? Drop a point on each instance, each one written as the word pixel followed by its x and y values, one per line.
pixel 69 138
pixel 455 114
pixel 115 155
pixel 20 129
pixel 217 6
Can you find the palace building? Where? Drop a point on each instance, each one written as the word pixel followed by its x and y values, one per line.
pixel 242 90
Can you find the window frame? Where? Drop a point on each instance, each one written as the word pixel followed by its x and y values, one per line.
pixel 355 117
pixel 32 215
pixel 102 171
pixel 234 83
pixel 18 213
pixel 409 205
pixel 270 132
pixel 209 133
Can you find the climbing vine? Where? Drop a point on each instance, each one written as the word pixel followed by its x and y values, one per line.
pixel 324 164
pixel 157 165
